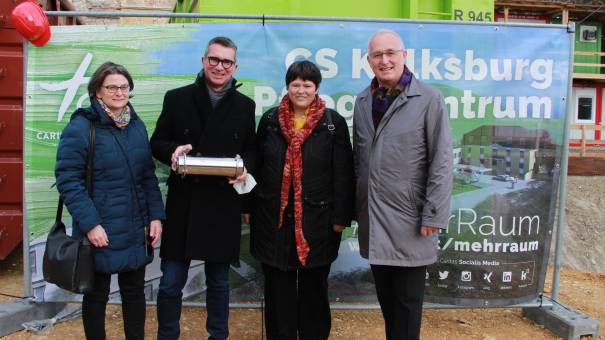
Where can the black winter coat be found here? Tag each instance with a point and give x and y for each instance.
(327, 186)
(203, 213)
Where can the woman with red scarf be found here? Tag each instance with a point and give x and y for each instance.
(303, 202)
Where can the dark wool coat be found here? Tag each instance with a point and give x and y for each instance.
(123, 207)
(203, 212)
(327, 190)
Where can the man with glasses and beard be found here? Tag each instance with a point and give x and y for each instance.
(403, 165)
(208, 118)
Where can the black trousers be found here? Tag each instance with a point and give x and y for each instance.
(133, 305)
(400, 292)
(296, 302)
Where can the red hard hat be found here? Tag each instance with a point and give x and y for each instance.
(31, 22)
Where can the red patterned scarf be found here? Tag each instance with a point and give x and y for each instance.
(293, 166)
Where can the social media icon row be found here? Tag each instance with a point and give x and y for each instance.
(489, 277)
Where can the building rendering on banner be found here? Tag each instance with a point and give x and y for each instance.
(507, 150)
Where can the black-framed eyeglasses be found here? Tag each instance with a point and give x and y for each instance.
(213, 61)
(113, 88)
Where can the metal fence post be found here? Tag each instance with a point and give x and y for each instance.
(563, 172)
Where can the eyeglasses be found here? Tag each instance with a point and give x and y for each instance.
(213, 61)
(113, 88)
(388, 53)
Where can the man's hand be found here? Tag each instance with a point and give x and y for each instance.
(428, 231)
(338, 228)
(98, 237)
(180, 150)
(240, 178)
(246, 218)
(155, 231)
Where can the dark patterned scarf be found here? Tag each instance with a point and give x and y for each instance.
(292, 175)
(383, 97)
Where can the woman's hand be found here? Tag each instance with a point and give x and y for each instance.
(98, 237)
(180, 150)
(338, 228)
(240, 178)
(155, 231)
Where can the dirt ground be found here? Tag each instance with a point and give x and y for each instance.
(584, 241)
(582, 287)
(583, 291)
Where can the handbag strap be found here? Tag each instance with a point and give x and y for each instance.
(89, 166)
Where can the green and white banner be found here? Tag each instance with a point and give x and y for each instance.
(505, 88)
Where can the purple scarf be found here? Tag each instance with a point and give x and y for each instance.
(383, 97)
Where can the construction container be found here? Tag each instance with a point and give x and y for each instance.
(466, 10)
(11, 131)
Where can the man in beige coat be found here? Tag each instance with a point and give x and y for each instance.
(403, 164)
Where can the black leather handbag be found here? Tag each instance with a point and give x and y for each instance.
(68, 262)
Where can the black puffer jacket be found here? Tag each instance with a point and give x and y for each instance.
(327, 186)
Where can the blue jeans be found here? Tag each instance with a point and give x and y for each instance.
(170, 297)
